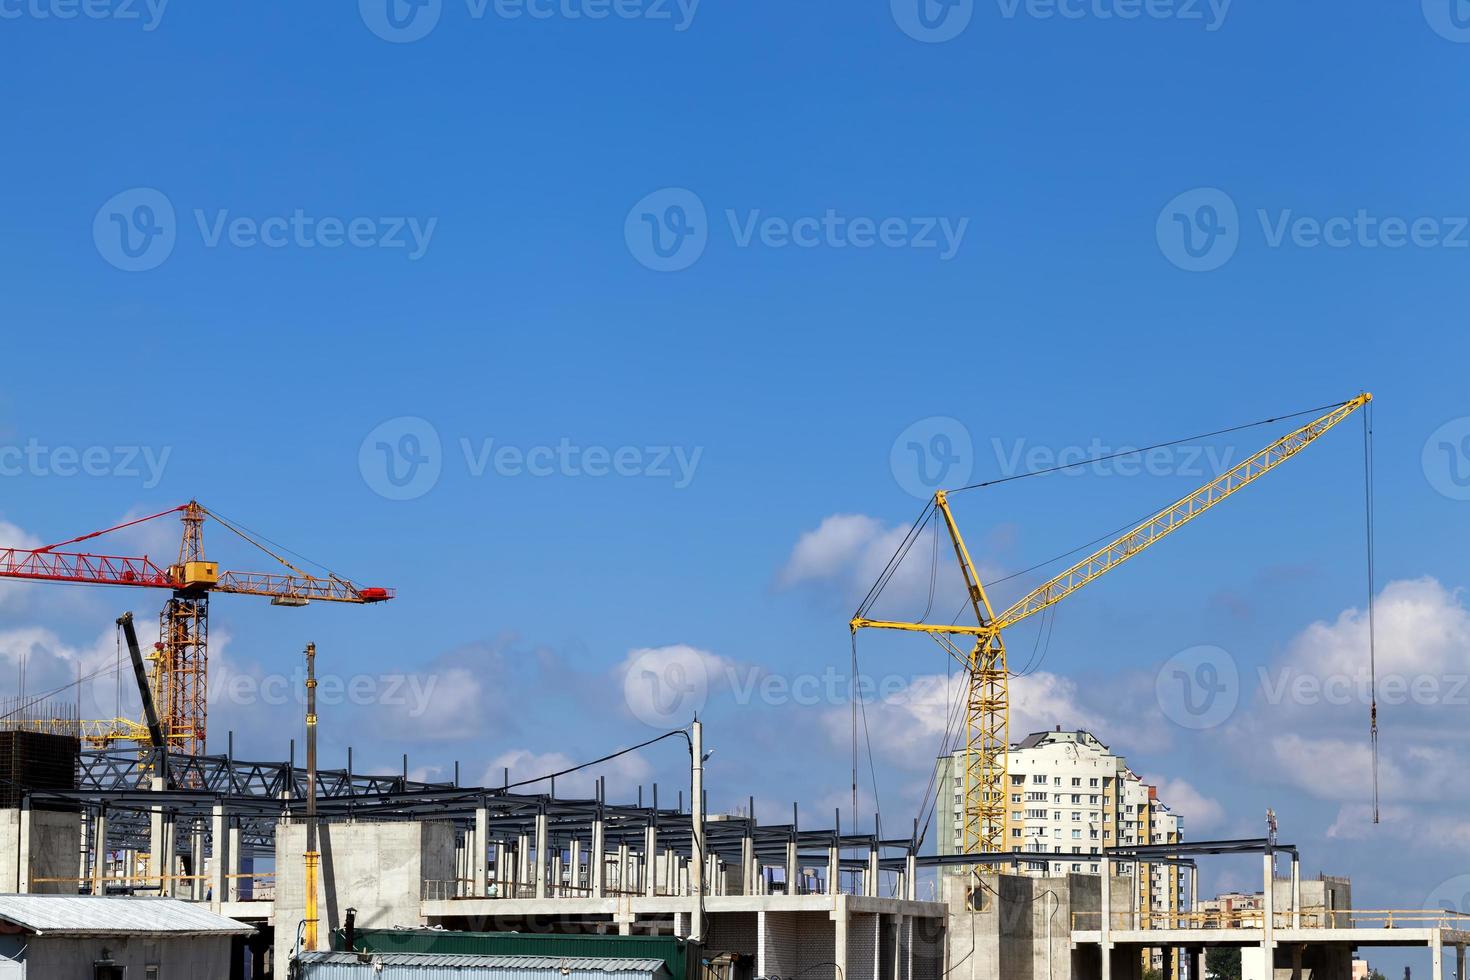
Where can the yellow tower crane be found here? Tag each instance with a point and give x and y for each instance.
(987, 708)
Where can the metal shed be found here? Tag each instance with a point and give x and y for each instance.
(43, 936)
(452, 966)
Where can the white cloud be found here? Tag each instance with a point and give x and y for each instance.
(624, 771)
(1308, 724)
(665, 687)
(1200, 812)
(906, 726)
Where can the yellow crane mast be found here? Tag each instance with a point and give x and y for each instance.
(987, 708)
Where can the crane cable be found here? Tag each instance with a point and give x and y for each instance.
(1372, 598)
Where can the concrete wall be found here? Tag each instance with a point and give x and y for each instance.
(54, 845)
(377, 868)
(183, 957)
(1023, 927)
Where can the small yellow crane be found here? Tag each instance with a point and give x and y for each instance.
(987, 707)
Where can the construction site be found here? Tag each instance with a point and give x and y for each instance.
(144, 847)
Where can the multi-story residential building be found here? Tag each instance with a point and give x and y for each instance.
(1070, 796)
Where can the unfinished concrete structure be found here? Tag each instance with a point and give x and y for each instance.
(780, 899)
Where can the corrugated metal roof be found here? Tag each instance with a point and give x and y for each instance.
(433, 965)
(88, 915)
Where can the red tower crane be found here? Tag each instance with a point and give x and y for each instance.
(180, 672)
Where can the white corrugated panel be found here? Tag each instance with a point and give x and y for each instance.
(97, 915)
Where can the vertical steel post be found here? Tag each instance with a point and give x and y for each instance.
(313, 856)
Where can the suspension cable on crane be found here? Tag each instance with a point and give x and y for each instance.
(1372, 597)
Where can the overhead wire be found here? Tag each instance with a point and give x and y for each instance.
(1372, 595)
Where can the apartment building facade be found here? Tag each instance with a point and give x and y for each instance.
(1069, 797)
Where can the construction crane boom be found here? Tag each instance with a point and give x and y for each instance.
(180, 662)
(987, 715)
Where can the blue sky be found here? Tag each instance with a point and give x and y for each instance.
(992, 228)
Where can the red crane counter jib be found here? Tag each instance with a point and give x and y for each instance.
(180, 665)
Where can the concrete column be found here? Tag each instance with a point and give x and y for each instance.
(1460, 963)
(681, 925)
(748, 870)
(834, 868)
(650, 857)
(480, 859)
(219, 874)
(1296, 961)
(23, 871)
(1436, 956)
(1194, 891)
(911, 878)
(232, 886)
(575, 880)
(840, 923)
(156, 864)
(556, 874)
(1296, 891)
(793, 871)
(1105, 935)
(1268, 915)
(99, 864)
(871, 884)
(541, 855)
(198, 885)
(624, 860)
(599, 856)
(523, 861)
(762, 968)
